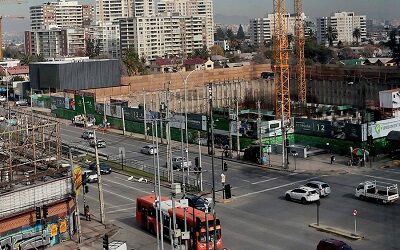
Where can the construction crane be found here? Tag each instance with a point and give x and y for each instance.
(281, 62)
(300, 67)
(1, 22)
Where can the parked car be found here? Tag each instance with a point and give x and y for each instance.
(87, 135)
(198, 202)
(21, 103)
(303, 194)
(90, 176)
(3, 99)
(322, 188)
(149, 150)
(104, 168)
(333, 244)
(100, 143)
(179, 162)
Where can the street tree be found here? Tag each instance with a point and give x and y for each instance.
(202, 53)
(92, 48)
(220, 35)
(331, 35)
(357, 35)
(216, 50)
(134, 65)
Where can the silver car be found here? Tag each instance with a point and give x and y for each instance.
(149, 150)
(322, 188)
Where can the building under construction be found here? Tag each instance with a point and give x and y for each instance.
(36, 202)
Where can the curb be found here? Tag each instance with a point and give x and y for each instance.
(336, 231)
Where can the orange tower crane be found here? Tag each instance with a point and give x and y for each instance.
(281, 63)
(301, 67)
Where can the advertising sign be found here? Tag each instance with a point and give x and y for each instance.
(77, 177)
(312, 127)
(63, 226)
(382, 128)
(195, 121)
(89, 104)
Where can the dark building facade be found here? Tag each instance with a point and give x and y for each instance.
(75, 75)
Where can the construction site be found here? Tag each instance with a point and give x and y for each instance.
(36, 204)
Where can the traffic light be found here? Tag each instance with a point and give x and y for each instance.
(105, 242)
(227, 190)
(86, 189)
(225, 168)
(196, 162)
(45, 211)
(287, 142)
(84, 179)
(38, 213)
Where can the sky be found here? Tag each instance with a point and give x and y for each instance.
(379, 9)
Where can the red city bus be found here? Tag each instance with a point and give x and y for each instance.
(195, 221)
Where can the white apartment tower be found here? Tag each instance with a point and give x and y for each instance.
(199, 8)
(162, 35)
(261, 29)
(143, 8)
(63, 14)
(110, 10)
(344, 23)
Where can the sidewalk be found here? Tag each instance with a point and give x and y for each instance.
(92, 233)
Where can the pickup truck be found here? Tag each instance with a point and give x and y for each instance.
(377, 191)
(179, 162)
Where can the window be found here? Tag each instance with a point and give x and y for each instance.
(360, 187)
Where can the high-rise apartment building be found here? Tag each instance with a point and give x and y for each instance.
(344, 24)
(261, 29)
(110, 10)
(143, 8)
(55, 42)
(58, 28)
(199, 8)
(162, 35)
(63, 14)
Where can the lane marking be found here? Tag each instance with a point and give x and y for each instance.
(123, 209)
(377, 177)
(123, 205)
(119, 195)
(390, 171)
(120, 184)
(271, 179)
(277, 187)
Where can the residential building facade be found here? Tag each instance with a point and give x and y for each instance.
(344, 24)
(261, 29)
(162, 35)
(110, 10)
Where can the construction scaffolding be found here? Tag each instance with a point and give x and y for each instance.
(30, 149)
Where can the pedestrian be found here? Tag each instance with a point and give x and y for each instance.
(87, 213)
(332, 159)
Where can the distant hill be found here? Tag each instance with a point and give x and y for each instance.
(234, 19)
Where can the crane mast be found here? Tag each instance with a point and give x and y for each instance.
(300, 67)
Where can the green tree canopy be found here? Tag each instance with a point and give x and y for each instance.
(220, 35)
(240, 33)
(331, 35)
(134, 65)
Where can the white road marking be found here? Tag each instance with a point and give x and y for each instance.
(277, 187)
(271, 179)
(382, 178)
(123, 209)
(247, 181)
(123, 205)
(119, 195)
(390, 171)
(137, 189)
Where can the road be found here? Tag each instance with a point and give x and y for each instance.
(258, 217)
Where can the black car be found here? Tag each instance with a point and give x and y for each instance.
(333, 244)
(104, 168)
(197, 202)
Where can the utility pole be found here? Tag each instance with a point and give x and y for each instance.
(237, 128)
(123, 121)
(156, 195)
(168, 136)
(212, 162)
(144, 115)
(77, 215)
(99, 183)
(201, 169)
(159, 193)
(284, 162)
(260, 131)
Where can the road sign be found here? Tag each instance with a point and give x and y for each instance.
(222, 178)
(77, 172)
(121, 151)
(354, 212)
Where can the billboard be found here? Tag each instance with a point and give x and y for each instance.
(89, 104)
(312, 127)
(382, 128)
(195, 121)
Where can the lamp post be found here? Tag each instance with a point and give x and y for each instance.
(294, 154)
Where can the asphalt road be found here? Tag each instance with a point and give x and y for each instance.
(258, 217)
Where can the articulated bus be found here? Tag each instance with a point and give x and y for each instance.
(195, 221)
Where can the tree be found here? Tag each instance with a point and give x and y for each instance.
(357, 34)
(92, 48)
(347, 53)
(202, 53)
(229, 34)
(340, 44)
(216, 50)
(134, 65)
(240, 33)
(27, 59)
(331, 35)
(368, 51)
(394, 45)
(220, 35)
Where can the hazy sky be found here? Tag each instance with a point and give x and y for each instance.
(388, 9)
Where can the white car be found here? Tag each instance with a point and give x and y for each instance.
(90, 175)
(3, 99)
(303, 194)
(149, 150)
(87, 135)
(322, 188)
(21, 103)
